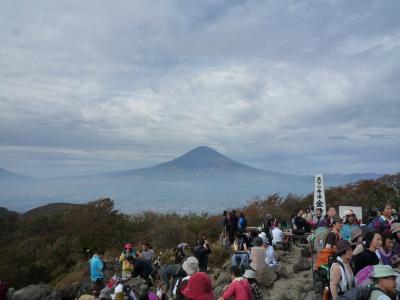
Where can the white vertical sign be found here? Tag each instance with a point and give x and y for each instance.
(319, 194)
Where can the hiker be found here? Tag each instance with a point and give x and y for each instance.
(233, 225)
(385, 283)
(180, 252)
(334, 235)
(385, 252)
(225, 223)
(257, 254)
(277, 235)
(143, 269)
(167, 273)
(318, 219)
(357, 240)
(395, 230)
(349, 222)
(146, 294)
(250, 275)
(201, 252)
(199, 287)
(242, 223)
(96, 272)
(269, 254)
(126, 259)
(396, 269)
(328, 219)
(341, 275)
(239, 288)
(190, 267)
(368, 257)
(147, 253)
(241, 255)
(383, 223)
(307, 215)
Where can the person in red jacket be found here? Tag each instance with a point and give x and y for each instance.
(239, 289)
(199, 287)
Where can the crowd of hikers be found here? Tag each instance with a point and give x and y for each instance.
(352, 259)
(187, 277)
(355, 260)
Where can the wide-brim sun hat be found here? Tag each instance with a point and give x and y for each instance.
(191, 265)
(356, 232)
(348, 212)
(382, 271)
(337, 219)
(342, 246)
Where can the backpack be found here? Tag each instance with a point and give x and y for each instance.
(363, 277)
(320, 237)
(371, 224)
(359, 293)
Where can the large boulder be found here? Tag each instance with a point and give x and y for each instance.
(282, 272)
(302, 265)
(34, 292)
(223, 279)
(266, 277)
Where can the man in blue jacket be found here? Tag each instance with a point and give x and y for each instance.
(96, 272)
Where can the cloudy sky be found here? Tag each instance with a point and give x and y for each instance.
(293, 86)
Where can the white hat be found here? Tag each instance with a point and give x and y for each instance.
(191, 265)
(250, 274)
(263, 236)
(348, 212)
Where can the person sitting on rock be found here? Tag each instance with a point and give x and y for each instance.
(240, 256)
(257, 254)
(270, 259)
(250, 275)
(341, 275)
(199, 287)
(239, 288)
(127, 266)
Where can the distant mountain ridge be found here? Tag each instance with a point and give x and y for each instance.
(200, 180)
(8, 175)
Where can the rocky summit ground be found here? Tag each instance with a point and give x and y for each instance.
(292, 280)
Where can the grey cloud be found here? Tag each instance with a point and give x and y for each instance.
(287, 85)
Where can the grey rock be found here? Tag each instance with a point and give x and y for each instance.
(302, 265)
(266, 277)
(33, 292)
